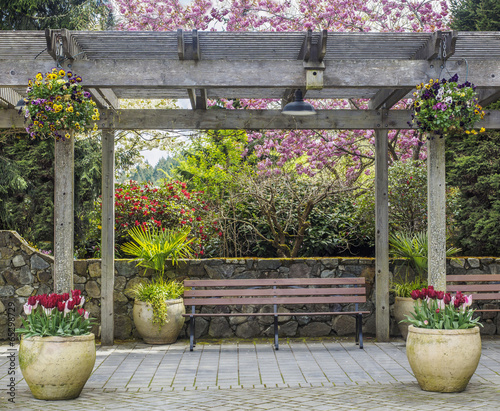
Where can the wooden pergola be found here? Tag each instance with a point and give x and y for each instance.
(381, 67)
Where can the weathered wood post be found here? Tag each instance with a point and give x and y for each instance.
(436, 211)
(382, 316)
(108, 237)
(64, 182)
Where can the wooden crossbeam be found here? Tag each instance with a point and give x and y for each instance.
(220, 119)
(253, 74)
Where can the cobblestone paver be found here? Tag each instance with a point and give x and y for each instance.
(323, 375)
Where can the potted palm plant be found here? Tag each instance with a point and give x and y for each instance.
(158, 306)
(413, 249)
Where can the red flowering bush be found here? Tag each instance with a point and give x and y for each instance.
(170, 206)
(55, 315)
(440, 310)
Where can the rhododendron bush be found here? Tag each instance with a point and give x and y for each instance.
(169, 205)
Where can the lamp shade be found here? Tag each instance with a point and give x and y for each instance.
(298, 107)
(21, 103)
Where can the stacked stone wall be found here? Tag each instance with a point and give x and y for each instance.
(24, 272)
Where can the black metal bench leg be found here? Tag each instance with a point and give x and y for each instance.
(357, 329)
(276, 342)
(191, 334)
(360, 319)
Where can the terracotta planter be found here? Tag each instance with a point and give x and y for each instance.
(443, 360)
(402, 307)
(152, 333)
(57, 368)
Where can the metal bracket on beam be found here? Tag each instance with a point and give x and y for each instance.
(433, 48)
(447, 44)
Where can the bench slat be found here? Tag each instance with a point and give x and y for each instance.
(272, 292)
(473, 287)
(276, 281)
(275, 300)
(296, 314)
(473, 278)
(485, 296)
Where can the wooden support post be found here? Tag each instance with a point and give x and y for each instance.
(63, 214)
(436, 212)
(382, 316)
(108, 237)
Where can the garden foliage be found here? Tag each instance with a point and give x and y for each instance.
(167, 206)
(473, 165)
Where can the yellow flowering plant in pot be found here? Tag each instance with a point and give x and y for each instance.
(446, 107)
(57, 104)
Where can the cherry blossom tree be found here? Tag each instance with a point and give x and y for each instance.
(315, 149)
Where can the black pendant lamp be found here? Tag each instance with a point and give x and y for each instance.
(298, 107)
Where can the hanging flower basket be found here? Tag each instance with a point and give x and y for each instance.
(57, 105)
(446, 107)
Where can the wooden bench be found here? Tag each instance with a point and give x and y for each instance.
(290, 293)
(482, 287)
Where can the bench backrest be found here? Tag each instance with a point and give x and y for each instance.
(275, 291)
(480, 286)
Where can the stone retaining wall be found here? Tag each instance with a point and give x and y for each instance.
(25, 272)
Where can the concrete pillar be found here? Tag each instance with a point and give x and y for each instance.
(382, 316)
(63, 214)
(436, 211)
(108, 237)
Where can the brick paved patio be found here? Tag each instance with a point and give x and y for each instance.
(325, 375)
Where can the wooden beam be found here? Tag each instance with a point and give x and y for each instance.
(105, 98)
(249, 119)
(180, 44)
(213, 119)
(198, 98)
(52, 44)
(429, 50)
(70, 48)
(382, 315)
(436, 212)
(488, 96)
(9, 98)
(63, 214)
(108, 237)
(110, 98)
(362, 74)
(386, 98)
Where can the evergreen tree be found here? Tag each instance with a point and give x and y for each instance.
(473, 165)
(42, 14)
(473, 161)
(475, 15)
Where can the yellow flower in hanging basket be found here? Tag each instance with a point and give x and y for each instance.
(446, 107)
(58, 99)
